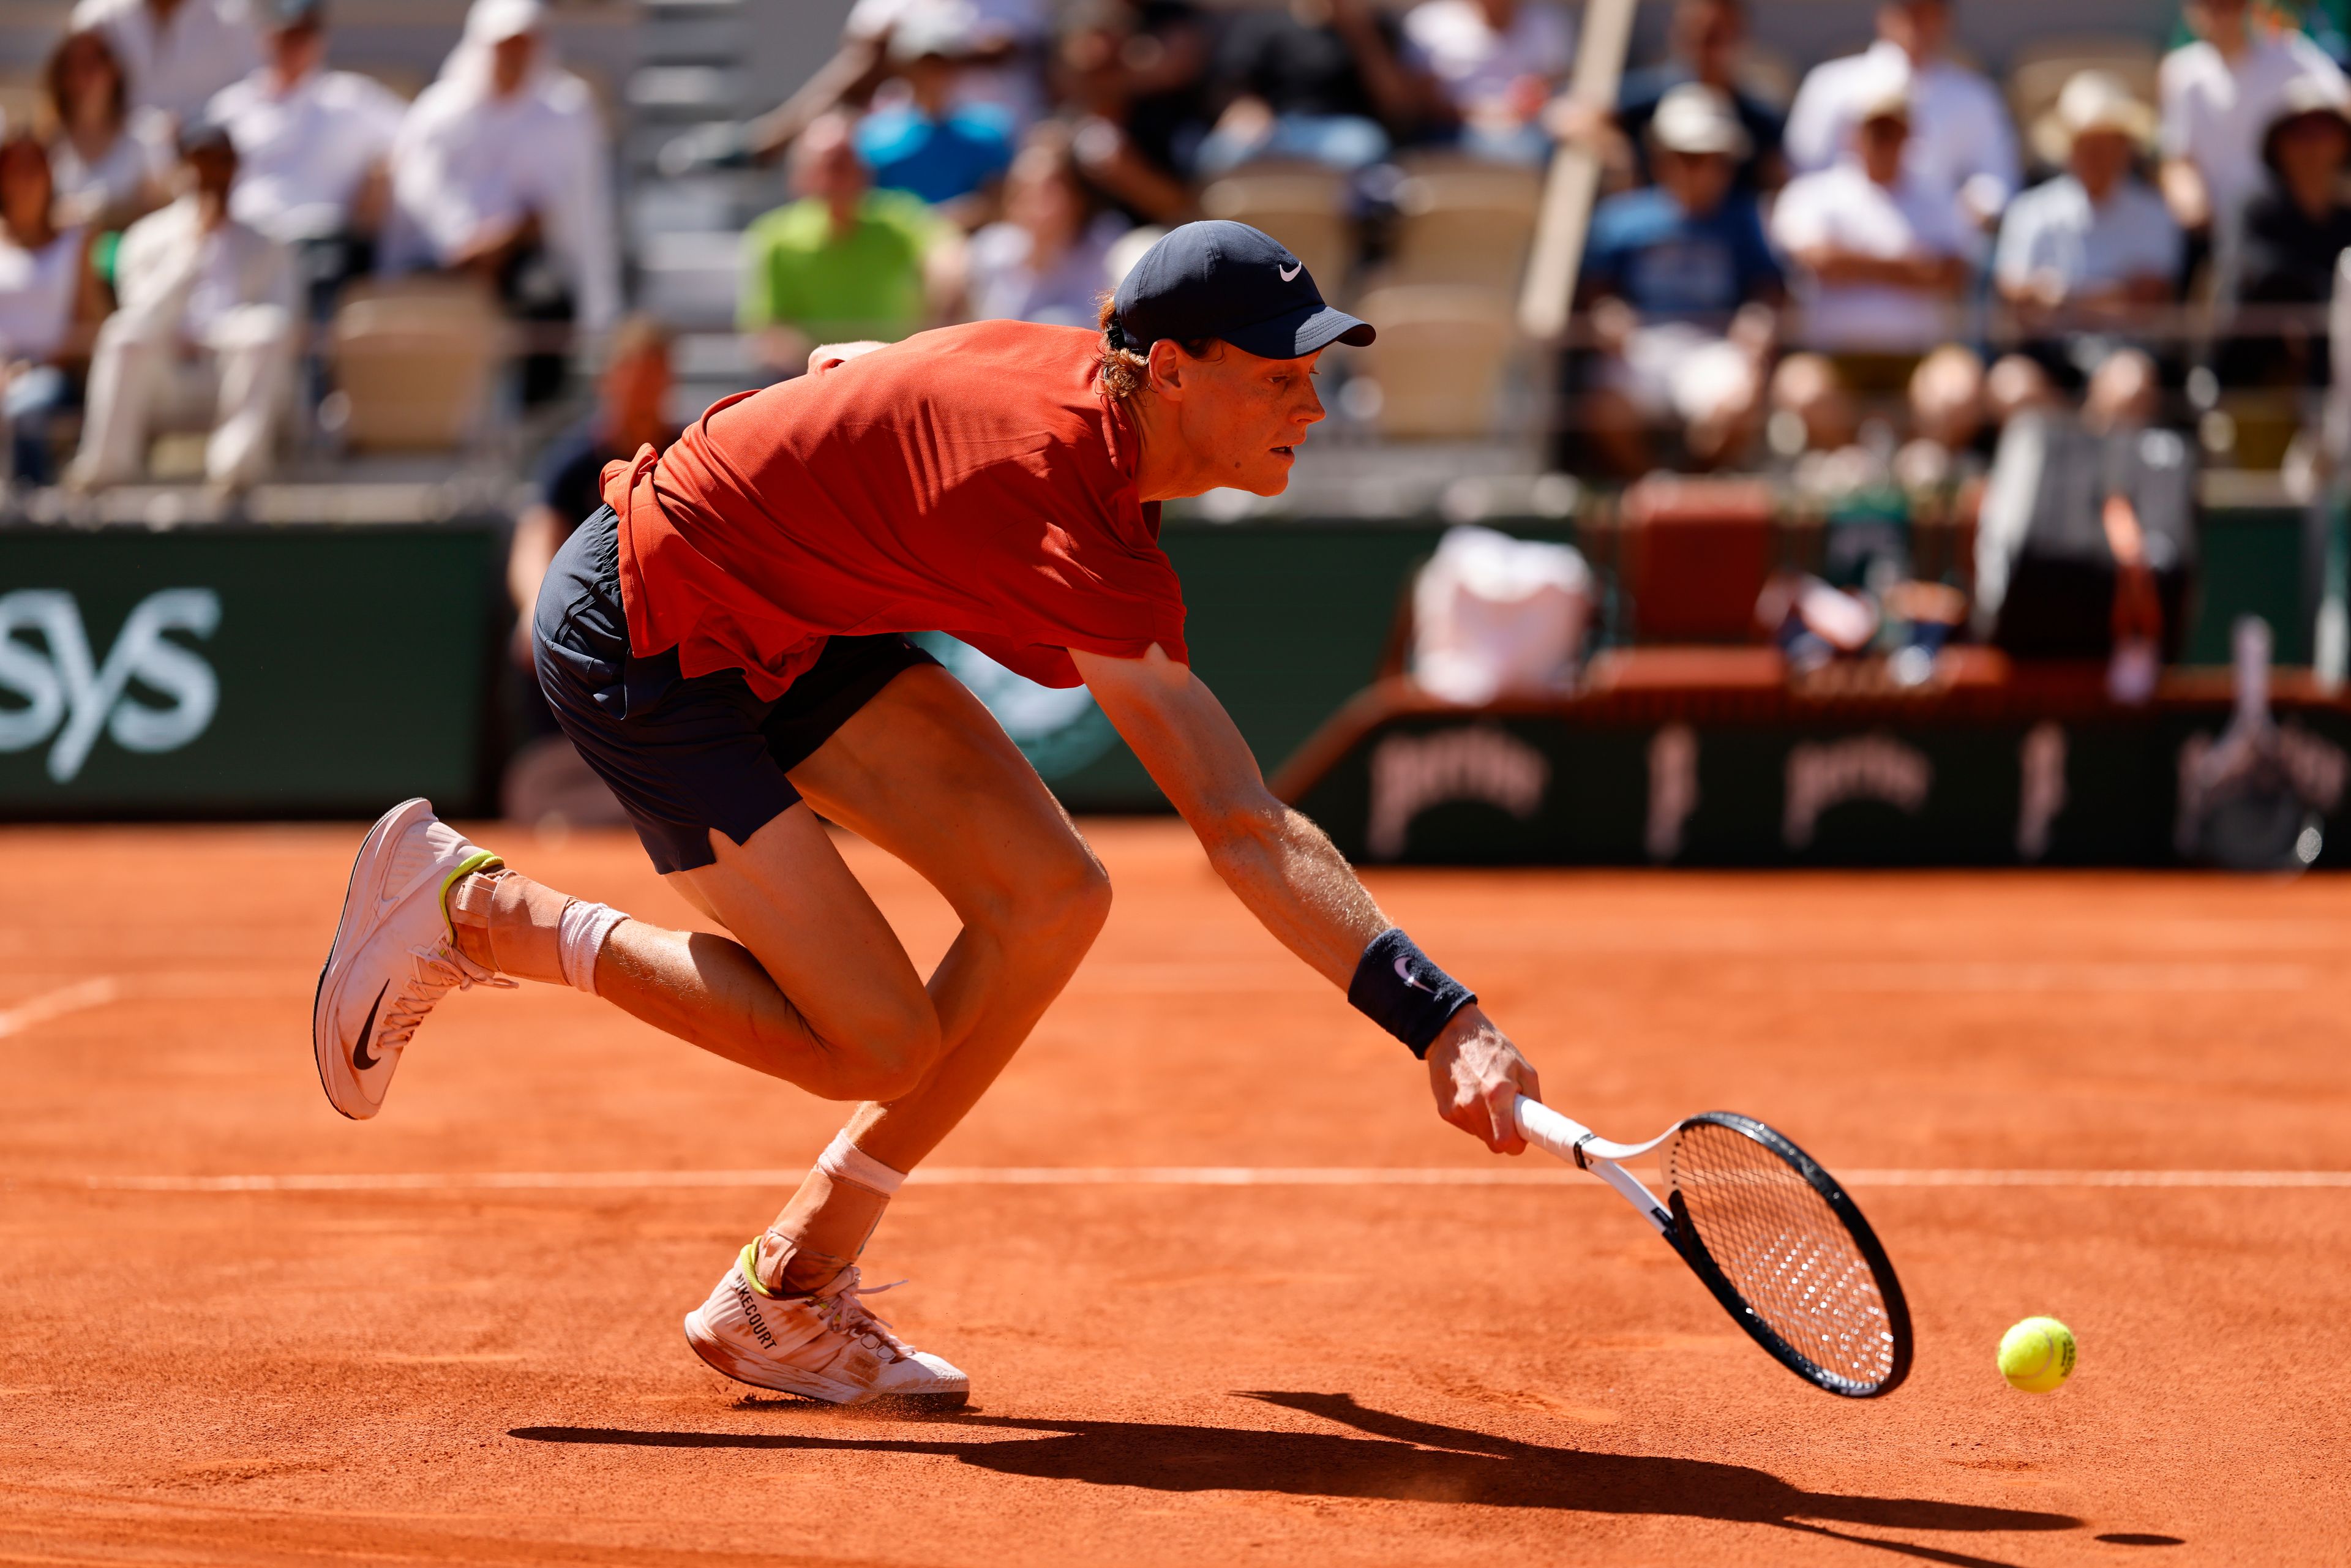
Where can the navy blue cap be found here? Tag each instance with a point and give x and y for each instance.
(1229, 281)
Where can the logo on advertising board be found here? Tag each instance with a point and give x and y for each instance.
(1481, 763)
(1866, 767)
(150, 694)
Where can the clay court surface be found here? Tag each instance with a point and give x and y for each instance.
(451, 1335)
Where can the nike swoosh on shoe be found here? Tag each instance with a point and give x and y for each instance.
(359, 1057)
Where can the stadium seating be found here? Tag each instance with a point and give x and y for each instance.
(1440, 359)
(1465, 222)
(413, 361)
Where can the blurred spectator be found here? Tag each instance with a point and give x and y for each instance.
(2295, 232)
(1321, 80)
(109, 161)
(1006, 61)
(1499, 63)
(928, 145)
(1810, 401)
(49, 302)
(1948, 416)
(1049, 259)
(1681, 284)
(2016, 385)
(1879, 257)
(206, 324)
(1005, 48)
(631, 411)
(2083, 257)
(1133, 74)
(1707, 37)
(1961, 146)
(500, 171)
(845, 261)
(311, 146)
(175, 53)
(2218, 94)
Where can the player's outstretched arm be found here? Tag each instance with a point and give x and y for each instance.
(1294, 880)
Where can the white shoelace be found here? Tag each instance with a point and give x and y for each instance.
(843, 1308)
(440, 970)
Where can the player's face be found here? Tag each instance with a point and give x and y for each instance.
(1247, 416)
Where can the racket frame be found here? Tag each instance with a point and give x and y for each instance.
(1578, 1145)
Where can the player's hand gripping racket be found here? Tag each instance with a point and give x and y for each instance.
(1774, 1236)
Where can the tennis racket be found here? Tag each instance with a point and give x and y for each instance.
(1770, 1232)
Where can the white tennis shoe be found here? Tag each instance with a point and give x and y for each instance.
(828, 1345)
(395, 953)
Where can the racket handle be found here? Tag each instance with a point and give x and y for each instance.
(1547, 1130)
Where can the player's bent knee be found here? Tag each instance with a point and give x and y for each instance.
(890, 1054)
(1061, 902)
(1083, 901)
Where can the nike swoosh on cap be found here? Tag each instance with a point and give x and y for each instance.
(359, 1057)
(1290, 274)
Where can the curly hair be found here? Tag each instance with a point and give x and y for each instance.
(1125, 372)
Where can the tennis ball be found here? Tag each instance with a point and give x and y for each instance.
(2037, 1354)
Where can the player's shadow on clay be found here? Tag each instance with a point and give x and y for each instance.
(1400, 1459)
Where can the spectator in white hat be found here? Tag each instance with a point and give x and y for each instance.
(1681, 286)
(1880, 258)
(500, 171)
(206, 331)
(2084, 257)
(1962, 143)
(2218, 95)
(177, 53)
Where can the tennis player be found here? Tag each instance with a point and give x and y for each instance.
(725, 644)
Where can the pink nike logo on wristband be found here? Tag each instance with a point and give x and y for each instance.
(1405, 975)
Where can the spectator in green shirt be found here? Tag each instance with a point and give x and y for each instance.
(845, 261)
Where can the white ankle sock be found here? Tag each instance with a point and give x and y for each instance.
(579, 935)
(845, 1161)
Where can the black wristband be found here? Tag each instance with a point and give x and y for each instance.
(1399, 989)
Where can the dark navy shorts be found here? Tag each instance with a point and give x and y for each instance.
(686, 754)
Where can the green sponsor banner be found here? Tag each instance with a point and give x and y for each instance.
(1470, 788)
(244, 671)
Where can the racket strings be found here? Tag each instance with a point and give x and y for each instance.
(1784, 1249)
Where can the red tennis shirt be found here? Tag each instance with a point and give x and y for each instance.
(972, 480)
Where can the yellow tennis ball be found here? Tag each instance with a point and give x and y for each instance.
(2037, 1354)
